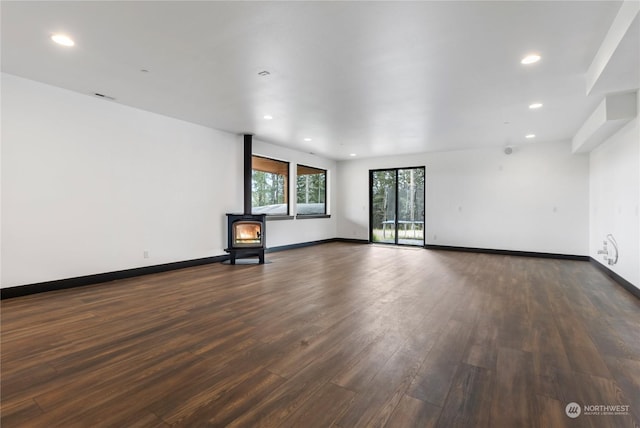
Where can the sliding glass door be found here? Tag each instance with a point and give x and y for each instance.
(396, 201)
(383, 186)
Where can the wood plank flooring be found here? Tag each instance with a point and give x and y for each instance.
(335, 335)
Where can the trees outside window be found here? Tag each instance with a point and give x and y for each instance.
(269, 186)
(397, 202)
(311, 190)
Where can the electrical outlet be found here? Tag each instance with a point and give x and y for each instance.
(145, 254)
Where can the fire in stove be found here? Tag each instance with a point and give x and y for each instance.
(247, 234)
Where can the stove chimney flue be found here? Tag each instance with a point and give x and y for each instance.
(248, 152)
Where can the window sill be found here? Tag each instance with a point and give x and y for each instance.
(279, 217)
(305, 216)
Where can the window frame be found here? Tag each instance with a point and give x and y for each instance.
(286, 166)
(324, 214)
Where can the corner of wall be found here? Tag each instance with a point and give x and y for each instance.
(614, 199)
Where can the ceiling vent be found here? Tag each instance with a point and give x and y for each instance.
(106, 97)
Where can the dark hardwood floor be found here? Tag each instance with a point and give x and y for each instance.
(338, 335)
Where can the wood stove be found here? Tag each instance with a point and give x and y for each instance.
(246, 233)
(246, 236)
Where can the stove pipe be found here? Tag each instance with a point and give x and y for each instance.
(247, 172)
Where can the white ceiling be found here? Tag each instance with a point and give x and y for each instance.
(372, 78)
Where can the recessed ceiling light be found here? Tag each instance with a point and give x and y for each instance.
(530, 59)
(535, 106)
(307, 139)
(352, 154)
(530, 136)
(63, 40)
(268, 117)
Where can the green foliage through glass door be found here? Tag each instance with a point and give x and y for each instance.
(397, 206)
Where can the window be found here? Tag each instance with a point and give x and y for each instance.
(269, 186)
(311, 188)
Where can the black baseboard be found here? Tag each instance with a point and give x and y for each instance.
(299, 245)
(508, 252)
(23, 290)
(80, 281)
(617, 278)
(352, 240)
(319, 242)
(61, 284)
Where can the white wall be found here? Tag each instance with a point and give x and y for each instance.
(88, 185)
(535, 199)
(287, 232)
(614, 199)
